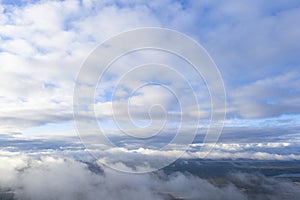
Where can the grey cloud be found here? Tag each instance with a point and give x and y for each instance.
(56, 178)
(38, 48)
(252, 47)
(267, 97)
(269, 188)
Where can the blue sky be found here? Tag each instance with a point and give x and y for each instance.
(44, 45)
(254, 44)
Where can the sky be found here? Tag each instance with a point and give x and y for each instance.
(45, 44)
(151, 105)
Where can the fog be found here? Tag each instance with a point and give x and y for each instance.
(47, 178)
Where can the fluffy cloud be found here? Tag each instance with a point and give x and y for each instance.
(39, 50)
(137, 156)
(44, 43)
(267, 97)
(57, 178)
(41, 55)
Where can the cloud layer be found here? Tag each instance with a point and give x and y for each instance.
(49, 177)
(252, 44)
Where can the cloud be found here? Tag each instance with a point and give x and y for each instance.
(269, 188)
(267, 97)
(252, 44)
(37, 50)
(49, 177)
(145, 156)
(44, 43)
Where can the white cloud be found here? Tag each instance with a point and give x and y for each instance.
(48, 177)
(267, 97)
(39, 49)
(44, 43)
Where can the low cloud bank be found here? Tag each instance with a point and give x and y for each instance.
(48, 178)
